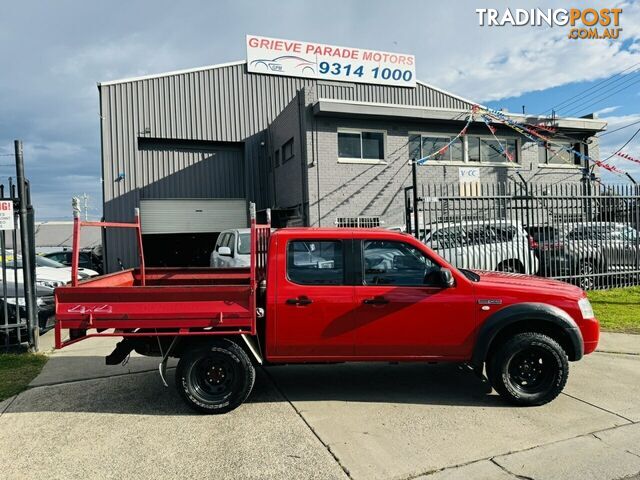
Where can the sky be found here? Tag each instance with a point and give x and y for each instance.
(54, 53)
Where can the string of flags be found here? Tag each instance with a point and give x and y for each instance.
(532, 132)
(626, 156)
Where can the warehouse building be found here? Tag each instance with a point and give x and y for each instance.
(190, 148)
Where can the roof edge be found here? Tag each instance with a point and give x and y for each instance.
(169, 74)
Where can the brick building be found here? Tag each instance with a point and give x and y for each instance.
(191, 148)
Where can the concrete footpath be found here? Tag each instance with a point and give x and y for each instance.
(82, 419)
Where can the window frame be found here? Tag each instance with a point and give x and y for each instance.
(543, 154)
(345, 244)
(466, 148)
(285, 145)
(364, 161)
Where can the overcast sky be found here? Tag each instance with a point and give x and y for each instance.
(53, 53)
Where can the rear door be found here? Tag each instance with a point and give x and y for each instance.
(403, 312)
(314, 299)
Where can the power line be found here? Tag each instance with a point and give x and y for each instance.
(625, 144)
(594, 102)
(591, 88)
(621, 128)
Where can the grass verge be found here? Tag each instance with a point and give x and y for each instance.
(17, 370)
(618, 310)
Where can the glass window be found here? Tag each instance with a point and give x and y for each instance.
(244, 243)
(430, 145)
(395, 263)
(361, 145)
(287, 151)
(349, 145)
(312, 262)
(505, 234)
(277, 158)
(490, 150)
(474, 148)
(512, 148)
(480, 235)
(557, 155)
(457, 151)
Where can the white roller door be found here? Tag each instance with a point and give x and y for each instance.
(192, 215)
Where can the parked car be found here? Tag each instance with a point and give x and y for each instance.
(15, 302)
(371, 295)
(232, 249)
(49, 274)
(88, 259)
(616, 243)
(500, 245)
(572, 261)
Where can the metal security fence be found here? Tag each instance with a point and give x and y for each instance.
(22, 305)
(586, 234)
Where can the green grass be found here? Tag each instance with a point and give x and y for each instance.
(17, 370)
(618, 310)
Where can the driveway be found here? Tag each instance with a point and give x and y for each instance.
(81, 419)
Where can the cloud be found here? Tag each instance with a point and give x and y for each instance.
(52, 62)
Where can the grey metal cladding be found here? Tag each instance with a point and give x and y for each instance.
(220, 103)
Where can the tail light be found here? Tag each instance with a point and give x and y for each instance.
(532, 243)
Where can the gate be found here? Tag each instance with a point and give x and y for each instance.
(19, 300)
(586, 234)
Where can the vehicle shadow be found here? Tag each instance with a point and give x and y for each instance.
(141, 392)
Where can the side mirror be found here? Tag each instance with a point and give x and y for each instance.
(446, 278)
(224, 251)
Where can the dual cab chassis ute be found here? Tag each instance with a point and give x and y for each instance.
(327, 295)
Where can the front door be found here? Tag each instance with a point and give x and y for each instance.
(404, 311)
(314, 301)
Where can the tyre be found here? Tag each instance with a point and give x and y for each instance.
(511, 266)
(528, 369)
(586, 279)
(215, 378)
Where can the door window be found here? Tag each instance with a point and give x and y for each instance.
(450, 237)
(396, 263)
(313, 262)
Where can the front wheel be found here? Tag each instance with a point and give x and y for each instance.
(215, 378)
(529, 369)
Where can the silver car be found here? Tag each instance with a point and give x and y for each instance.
(232, 249)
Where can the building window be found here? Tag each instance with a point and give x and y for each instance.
(489, 150)
(358, 222)
(423, 145)
(277, 158)
(287, 151)
(557, 154)
(361, 147)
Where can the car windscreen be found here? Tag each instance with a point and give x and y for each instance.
(47, 262)
(244, 243)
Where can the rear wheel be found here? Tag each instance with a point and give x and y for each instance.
(529, 369)
(215, 378)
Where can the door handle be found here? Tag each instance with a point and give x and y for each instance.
(302, 300)
(375, 301)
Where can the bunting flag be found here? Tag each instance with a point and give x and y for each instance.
(626, 156)
(489, 115)
(444, 149)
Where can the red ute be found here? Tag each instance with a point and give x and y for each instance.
(333, 295)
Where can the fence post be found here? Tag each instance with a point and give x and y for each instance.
(27, 259)
(414, 181)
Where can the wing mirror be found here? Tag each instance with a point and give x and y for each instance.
(446, 278)
(224, 251)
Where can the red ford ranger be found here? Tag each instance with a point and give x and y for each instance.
(332, 295)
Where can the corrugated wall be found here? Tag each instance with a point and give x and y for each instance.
(224, 104)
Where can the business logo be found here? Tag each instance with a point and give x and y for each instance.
(285, 63)
(583, 23)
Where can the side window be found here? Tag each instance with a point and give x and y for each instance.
(395, 263)
(505, 234)
(315, 262)
(480, 235)
(221, 239)
(231, 243)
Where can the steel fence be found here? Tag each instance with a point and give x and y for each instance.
(22, 306)
(586, 234)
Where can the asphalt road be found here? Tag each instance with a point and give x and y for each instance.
(360, 421)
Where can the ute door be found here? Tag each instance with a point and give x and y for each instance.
(314, 300)
(403, 310)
